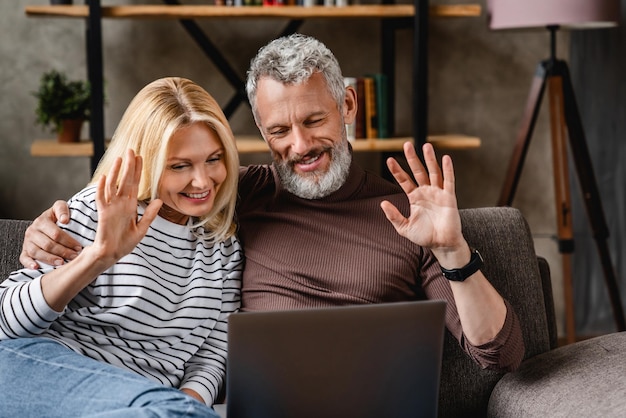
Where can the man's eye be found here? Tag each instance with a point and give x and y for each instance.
(313, 122)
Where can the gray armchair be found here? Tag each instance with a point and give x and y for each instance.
(503, 238)
(585, 379)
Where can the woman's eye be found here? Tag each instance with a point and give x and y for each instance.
(215, 158)
(178, 166)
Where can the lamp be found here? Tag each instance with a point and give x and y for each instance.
(565, 123)
(574, 14)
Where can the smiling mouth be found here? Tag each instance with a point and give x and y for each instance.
(309, 163)
(196, 195)
(310, 157)
(308, 160)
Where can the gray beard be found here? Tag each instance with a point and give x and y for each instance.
(317, 185)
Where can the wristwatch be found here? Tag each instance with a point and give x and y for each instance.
(459, 275)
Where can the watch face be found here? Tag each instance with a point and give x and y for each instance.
(451, 275)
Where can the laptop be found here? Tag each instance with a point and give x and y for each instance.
(357, 361)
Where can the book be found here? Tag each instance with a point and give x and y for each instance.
(359, 123)
(371, 123)
(382, 98)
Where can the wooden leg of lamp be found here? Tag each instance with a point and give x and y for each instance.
(590, 193)
(565, 233)
(522, 141)
(565, 125)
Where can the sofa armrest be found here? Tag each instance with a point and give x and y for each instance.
(11, 239)
(503, 237)
(548, 297)
(584, 379)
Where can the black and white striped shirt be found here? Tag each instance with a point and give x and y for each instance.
(161, 311)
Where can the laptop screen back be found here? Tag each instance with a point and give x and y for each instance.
(359, 361)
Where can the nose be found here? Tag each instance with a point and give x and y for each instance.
(300, 141)
(201, 178)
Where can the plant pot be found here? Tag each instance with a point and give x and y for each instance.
(70, 130)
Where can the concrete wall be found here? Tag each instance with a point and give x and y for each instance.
(479, 81)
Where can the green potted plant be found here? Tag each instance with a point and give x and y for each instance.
(63, 105)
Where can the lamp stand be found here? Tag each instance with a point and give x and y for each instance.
(564, 122)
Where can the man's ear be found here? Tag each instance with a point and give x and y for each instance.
(350, 106)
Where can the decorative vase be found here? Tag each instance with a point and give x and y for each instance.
(70, 130)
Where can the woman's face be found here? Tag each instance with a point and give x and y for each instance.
(193, 174)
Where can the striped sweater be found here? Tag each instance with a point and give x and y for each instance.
(161, 311)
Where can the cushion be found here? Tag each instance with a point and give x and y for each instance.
(584, 379)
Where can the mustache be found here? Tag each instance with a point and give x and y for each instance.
(296, 158)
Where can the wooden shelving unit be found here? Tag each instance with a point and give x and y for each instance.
(383, 11)
(251, 144)
(398, 15)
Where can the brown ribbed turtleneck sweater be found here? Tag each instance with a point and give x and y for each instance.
(342, 250)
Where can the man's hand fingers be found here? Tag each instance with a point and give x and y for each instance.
(417, 168)
(38, 246)
(393, 215)
(28, 262)
(59, 212)
(405, 181)
(434, 171)
(448, 174)
(45, 241)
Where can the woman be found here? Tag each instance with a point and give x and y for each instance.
(142, 311)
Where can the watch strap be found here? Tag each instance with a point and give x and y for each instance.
(460, 274)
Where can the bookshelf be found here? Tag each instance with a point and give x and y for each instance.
(291, 12)
(251, 144)
(392, 17)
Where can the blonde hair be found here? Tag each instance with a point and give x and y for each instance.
(159, 110)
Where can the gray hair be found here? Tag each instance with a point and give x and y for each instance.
(294, 59)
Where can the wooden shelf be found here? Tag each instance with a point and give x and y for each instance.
(415, 13)
(286, 12)
(252, 144)
(454, 142)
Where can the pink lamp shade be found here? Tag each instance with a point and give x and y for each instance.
(514, 14)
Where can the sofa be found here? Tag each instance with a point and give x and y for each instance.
(583, 379)
(11, 238)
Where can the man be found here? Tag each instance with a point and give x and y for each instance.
(318, 230)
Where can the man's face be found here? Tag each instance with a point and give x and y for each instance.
(306, 135)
